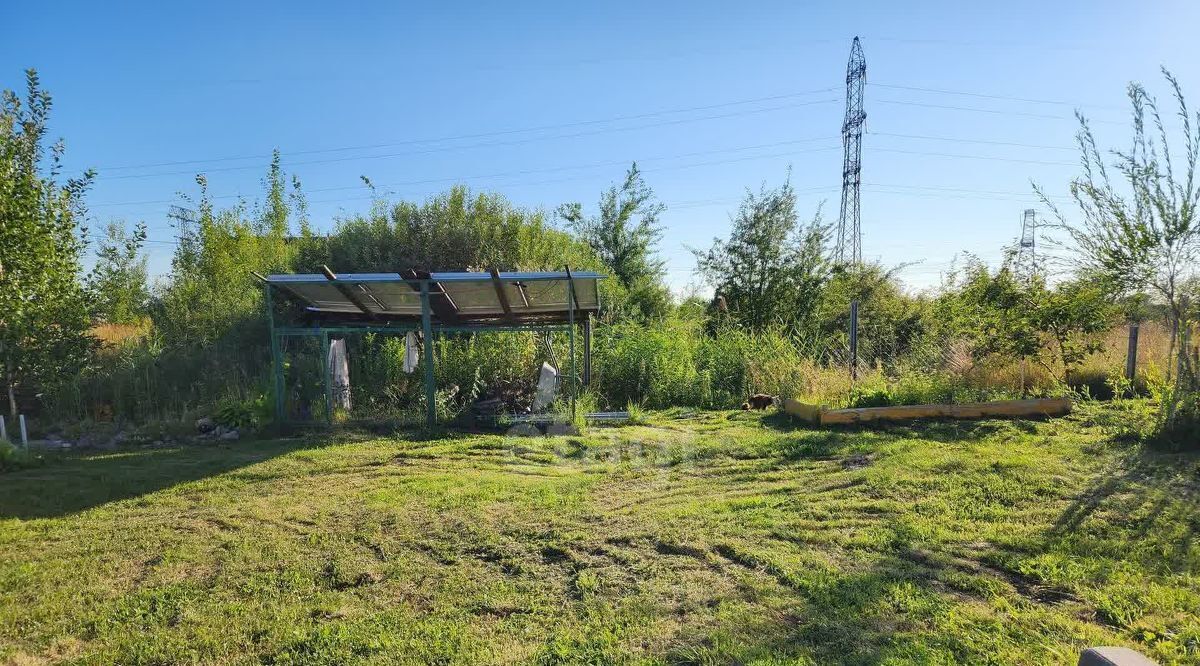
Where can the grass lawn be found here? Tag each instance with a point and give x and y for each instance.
(711, 537)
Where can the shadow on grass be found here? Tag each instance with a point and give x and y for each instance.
(1157, 496)
(76, 482)
(889, 609)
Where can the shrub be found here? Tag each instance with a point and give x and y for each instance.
(1181, 433)
(244, 414)
(871, 398)
(13, 457)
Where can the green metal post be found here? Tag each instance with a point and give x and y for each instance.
(276, 356)
(427, 330)
(571, 342)
(325, 372)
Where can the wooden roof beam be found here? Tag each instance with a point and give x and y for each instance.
(501, 295)
(346, 291)
(440, 303)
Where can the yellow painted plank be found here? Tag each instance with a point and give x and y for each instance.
(975, 410)
(804, 411)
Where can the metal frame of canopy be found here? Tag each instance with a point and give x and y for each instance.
(383, 303)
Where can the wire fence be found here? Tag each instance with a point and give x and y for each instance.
(1134, 355)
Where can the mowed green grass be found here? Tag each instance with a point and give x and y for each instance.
(712, 537)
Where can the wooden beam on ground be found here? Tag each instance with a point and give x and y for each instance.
(976, 410)
(805, 412)
(501, 294)
(346, 291)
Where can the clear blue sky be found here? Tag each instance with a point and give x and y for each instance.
(710, 98)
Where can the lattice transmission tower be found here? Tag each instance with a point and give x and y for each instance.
(849, 229)
(1026, 264)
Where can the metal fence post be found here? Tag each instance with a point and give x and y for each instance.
(427, 330)
(24, 433)
(276, 356)
(326, 374)
(854, 340)
(587, 350)
(3, 430)
(571, 339)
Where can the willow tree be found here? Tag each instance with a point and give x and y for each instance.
(43, 312)
(1137, 227)
(625, 236)
(772, 268)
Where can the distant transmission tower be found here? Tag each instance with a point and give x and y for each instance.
(182, 216)
(1027, 265)
(849, 229)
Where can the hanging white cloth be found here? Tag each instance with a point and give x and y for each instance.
(547, 386)
(411, 352)
(339, 373)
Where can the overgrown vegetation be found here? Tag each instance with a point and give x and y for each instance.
(195, 343)
(711, 537)
(43, 312)
(1143, 234)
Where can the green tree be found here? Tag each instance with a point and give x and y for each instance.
(891, 323)
(117, 284)
(1073, 315)
(1137, 229)
(1002, 314)
(455, 230)
(211, 288)
(43, 312)
(625, 235)
(772, 269)
(993, 312)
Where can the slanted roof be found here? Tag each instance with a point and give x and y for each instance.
(456, 298)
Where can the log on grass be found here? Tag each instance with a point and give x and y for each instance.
(976, 410)
(803, 411)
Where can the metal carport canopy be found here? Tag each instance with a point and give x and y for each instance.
(456, 298)
(434, 302)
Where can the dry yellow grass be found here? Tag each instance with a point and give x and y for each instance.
(113, 334)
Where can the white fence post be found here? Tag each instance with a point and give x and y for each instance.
(24, 434)
(3, 430)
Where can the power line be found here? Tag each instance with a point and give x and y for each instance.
(957, 189)
(955, 139)
(963, 93)
(973, 157)
(531, 171)
(479, 135)
(677, 205)
(940, 196)
(1044, 116)
(989, 44)
(494, 143)
(602, 131)
(775, 144)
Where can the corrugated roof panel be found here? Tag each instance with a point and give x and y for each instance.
(473, 294)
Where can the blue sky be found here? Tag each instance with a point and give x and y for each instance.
(548, 102)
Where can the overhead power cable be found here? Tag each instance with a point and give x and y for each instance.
(956, 139)
(531, 171)
(963, 93)
(494, 143)
(956, 189)
(677, 205)
(480, 135)
(999, 112)
(972, 157)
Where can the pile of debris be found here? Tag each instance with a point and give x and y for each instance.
(210, 429)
